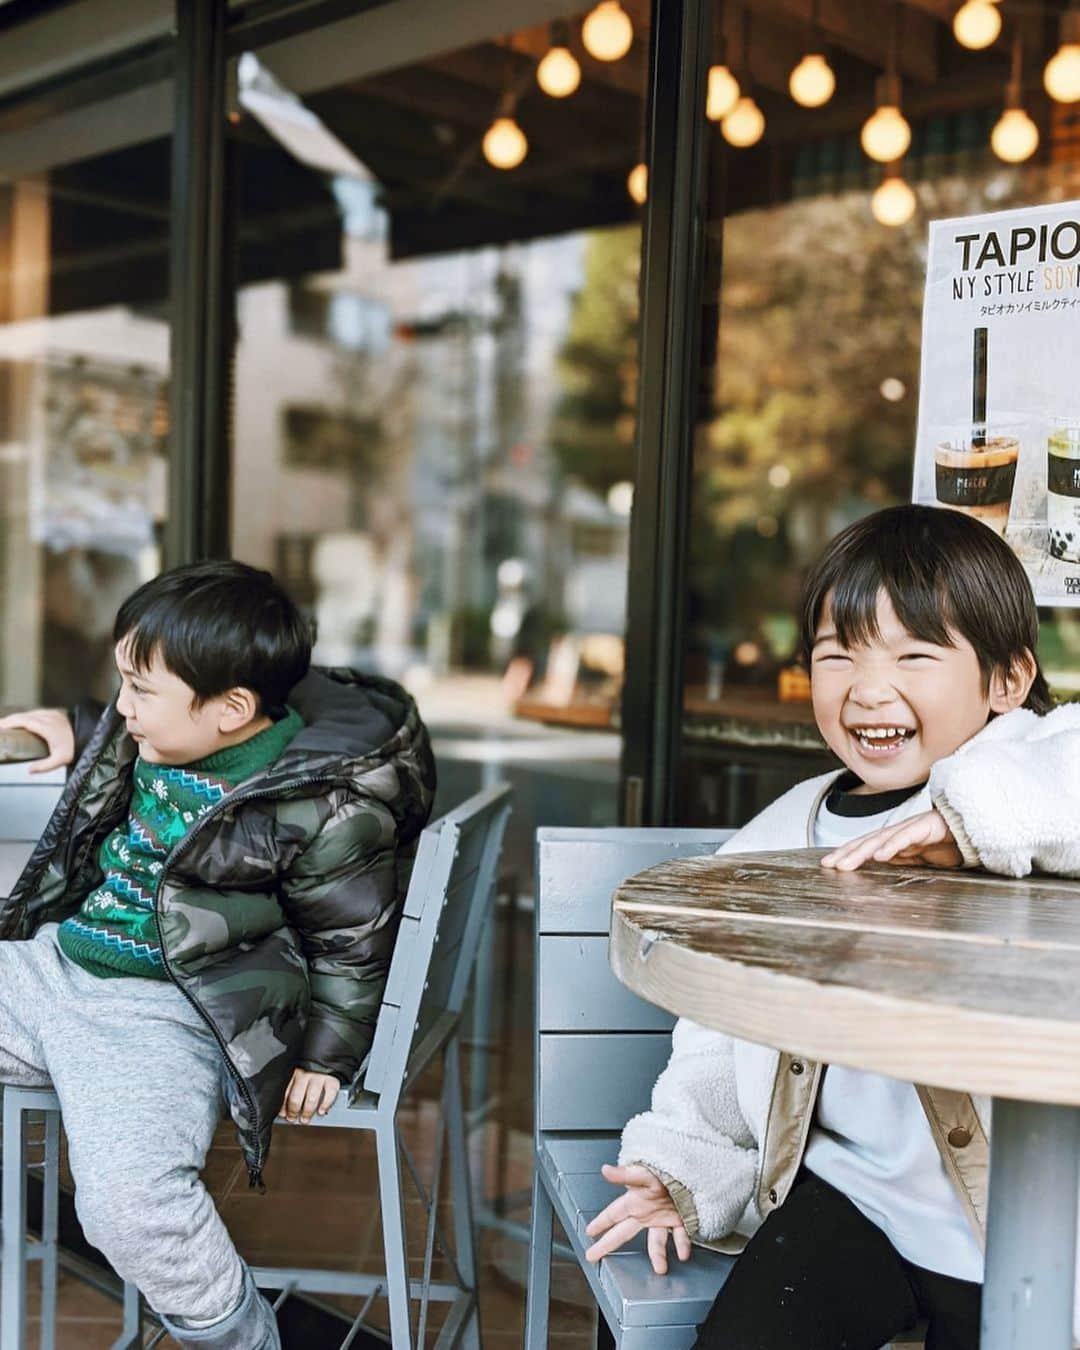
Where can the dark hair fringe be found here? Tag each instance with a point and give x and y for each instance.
(217, 626)
(945, 574)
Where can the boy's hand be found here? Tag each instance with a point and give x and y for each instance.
(54, 728)
(307, 1093)
(645, 1204)
(924, 840)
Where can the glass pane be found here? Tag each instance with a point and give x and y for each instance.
(84, 369)
(434, 431)
(435, 386)
(810, 362)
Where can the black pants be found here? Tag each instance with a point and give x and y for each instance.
(817, 1275)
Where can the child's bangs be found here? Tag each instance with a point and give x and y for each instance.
(917, 593)
(140, 646)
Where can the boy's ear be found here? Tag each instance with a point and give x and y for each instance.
(1009, 688)
(239, 708)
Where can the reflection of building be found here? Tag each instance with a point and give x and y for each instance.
(83, 492)
(405, 406)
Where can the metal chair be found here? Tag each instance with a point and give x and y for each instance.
(599, 1050)
(447, 903)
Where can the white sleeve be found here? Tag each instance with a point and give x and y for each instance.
(1012, 794)
(694, 1136)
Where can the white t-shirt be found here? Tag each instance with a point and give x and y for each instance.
(871, 1139)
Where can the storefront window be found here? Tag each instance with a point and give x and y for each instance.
(810, 377)
(434, 442)
(84, 369)
(435, 386)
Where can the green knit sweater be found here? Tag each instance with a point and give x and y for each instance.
(115, 930)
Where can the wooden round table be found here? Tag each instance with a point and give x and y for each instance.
(958, 980)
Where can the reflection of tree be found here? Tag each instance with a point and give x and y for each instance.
(592, 435)
(820, 306)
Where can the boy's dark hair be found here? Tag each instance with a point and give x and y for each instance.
(218, 625)
(944, 572)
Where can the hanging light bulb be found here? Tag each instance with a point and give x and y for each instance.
(1062, 74)
(1015, 136)
(812, 82)
(504, 144)
(607, 31)
(723, 93)
(976, 24)
(637, 183)
(893, 202)
(886, 134)
(745, 124)
(558, 74)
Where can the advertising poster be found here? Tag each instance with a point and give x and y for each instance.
(999, 400)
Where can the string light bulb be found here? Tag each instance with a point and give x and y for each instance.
(607, 31)
(723, 93)
(812, 82)
(1015, 136)
(1062, 74)
(976, 24)
(886, 134)
(893, 202)
(505, 144)
(745, 124)
(637, 183)
(558, 74)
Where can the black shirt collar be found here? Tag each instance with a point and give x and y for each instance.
(843, 801)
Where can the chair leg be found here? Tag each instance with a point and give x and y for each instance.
(13, 1228)
(392, 1200)
(461, 1188)
(50, 1229)
(538, 1291)
(131, 1337)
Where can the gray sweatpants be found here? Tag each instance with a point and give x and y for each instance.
(138, 1074)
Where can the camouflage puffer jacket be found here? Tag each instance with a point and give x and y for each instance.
(278, 911)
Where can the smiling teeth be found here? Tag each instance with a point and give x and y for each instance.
(880, 733)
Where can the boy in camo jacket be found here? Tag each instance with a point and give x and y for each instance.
(207, 920)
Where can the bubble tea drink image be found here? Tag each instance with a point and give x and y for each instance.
(975, 466)
(1063, 493)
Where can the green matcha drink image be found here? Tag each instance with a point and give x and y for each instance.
(1063, 493)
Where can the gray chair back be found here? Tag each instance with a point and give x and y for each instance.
(446, 906)
(26, 802)
(599, 1047)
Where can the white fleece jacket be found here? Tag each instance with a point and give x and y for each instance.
(1012, 798)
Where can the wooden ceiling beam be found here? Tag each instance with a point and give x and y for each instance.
(862, 29)
(629, 75)
(845, 114)
(550, 123)
(937, 9)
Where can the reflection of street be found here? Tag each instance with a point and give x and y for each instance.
(560, 777)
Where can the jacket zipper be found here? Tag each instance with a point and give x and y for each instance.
(255, 1180)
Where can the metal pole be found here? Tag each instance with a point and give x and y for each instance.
(198, 444)
(1031, 1238)
(672, 262)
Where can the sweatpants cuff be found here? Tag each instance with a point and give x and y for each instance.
(250, 1326)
